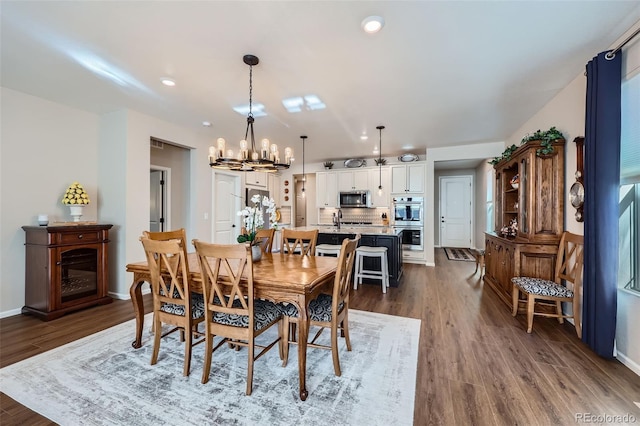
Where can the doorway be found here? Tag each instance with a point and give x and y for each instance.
(456, 211)
(226, 200)
(159, 190)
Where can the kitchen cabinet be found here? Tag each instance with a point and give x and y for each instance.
(375, 176)
(257, 179)
(274, 188)
(353, 180)
(326, 189)
(333, 238)
(536, 203)
(393, 244)
(408, 178)
(65, 269)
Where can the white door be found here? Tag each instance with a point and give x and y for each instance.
(455, 211)
(226, 204)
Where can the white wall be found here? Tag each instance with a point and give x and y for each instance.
(45, 146)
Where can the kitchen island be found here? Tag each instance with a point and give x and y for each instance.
(372, 236)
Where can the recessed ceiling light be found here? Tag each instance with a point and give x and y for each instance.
(168, 82)
(372, 24)
(206, 123)
(364, 137)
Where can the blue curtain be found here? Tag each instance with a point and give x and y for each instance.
(602, 181)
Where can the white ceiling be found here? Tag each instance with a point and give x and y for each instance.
(438, 74)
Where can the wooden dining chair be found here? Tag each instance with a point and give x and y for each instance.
(231, 311)
(173, 302)
(266, 236)
(569, 263)
(299, 242)
(327, 310)
(178, 234)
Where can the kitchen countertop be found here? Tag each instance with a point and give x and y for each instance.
(350, 229)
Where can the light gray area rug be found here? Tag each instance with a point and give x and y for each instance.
(102, 380)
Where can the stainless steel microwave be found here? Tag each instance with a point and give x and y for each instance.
(357, 199)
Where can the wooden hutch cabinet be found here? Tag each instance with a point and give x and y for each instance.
(66, 269)
(538, 206)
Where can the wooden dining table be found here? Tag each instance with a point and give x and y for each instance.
(277, 277)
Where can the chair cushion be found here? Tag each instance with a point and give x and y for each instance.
(541, 287)
(319, 308)
(264, 313)
(197, 307)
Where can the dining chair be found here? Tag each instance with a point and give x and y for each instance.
(231, 311)
(569, 263)
(177, 234)
(327, 310)
(174, 303)
(266, 235)
(299, 242)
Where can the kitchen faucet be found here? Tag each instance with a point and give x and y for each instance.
(336, 218)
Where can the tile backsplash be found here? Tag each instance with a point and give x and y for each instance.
(374, 216)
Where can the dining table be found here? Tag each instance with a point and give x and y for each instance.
(277, 277)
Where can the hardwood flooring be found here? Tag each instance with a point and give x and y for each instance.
(477, 365)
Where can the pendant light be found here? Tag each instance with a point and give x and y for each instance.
(380, 160)
(304, 176)
(250, 158)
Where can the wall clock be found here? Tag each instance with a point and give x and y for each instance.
(576, 192)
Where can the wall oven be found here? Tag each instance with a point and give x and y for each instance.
(408, 220)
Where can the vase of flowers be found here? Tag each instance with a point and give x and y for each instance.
(76, 198)
(253, 220)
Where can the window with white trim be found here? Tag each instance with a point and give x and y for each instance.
(629, 219)
(489, 206)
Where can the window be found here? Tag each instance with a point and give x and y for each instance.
(629, 224)
(629, 219)
(490, 216)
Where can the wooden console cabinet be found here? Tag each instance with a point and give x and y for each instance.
(65, 269)
(538, 206)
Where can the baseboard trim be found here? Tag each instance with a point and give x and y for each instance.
(631, 364)
(127, 296)
(10, 313)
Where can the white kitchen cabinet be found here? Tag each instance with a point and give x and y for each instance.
(407, 179)
(256, 179)
(326, 189)
(353, 180)
(375, 176)
(274, 188)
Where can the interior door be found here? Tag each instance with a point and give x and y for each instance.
(157, 201)
(455, 211)
(226, 204)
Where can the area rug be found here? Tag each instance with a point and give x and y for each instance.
(459, 254)
(102, 380)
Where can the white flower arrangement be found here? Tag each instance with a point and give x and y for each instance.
(75, 195)
(253, 218)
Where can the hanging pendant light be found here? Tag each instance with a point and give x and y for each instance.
(304, 176)
(380, 160)
(249, 158)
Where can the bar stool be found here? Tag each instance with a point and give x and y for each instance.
(328, 249)
(382, 274)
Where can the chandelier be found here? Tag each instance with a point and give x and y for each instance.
(249, 158)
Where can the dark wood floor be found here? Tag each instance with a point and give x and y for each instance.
(477, 365)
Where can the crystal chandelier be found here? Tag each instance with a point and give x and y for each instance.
(265, 159)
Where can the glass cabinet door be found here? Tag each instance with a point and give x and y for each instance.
(523, 207)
